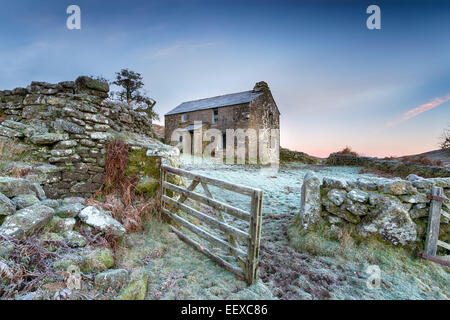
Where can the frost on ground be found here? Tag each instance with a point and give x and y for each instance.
(318, 268)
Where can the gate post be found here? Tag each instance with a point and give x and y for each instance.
(434, 218)
(255, 237)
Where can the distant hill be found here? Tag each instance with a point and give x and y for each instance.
(287, 155)
(435, 156)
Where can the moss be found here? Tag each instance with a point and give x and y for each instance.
(141, 164)
(99, 259)
(136, 290)
(148, 186)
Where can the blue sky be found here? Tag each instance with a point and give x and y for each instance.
(336, 82)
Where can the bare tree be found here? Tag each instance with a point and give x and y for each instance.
(445, 139)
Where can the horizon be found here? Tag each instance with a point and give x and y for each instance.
(382, 92)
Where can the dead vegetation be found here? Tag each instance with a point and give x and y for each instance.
(118, 193)
(28, 264)
(348, 150)
(422, 160)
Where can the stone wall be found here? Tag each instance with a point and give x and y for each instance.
(394, 167)
(391, 210)
(63, 130)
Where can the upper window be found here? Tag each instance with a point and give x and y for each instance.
(215, 115)
(184, 117)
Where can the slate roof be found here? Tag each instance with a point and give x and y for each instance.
(216, 102)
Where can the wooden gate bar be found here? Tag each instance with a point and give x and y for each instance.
(228, 266)
(208, 219)
(202, 233)
(215, 182)
(236, 212)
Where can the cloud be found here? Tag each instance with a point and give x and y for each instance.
(420, 109)
(180, 47)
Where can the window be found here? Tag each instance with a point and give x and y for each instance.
(215, 115)
(184, 117)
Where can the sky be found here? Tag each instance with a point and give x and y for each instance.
(382, 92)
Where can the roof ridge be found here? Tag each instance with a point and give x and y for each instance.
(222, 95)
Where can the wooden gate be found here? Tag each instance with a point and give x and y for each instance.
(243, 245)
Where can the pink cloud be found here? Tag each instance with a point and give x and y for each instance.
(420, 109)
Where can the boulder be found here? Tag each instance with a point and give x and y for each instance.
(100, 220)
(40, 193)
(337, 196)
(48, 138)
(335, 183)
(358, 195)
(136, 290)
(26, 220)
(25, 200)
(392, 223)
(74, 239)
(50, 203)
(310, 200)
(116, 279)
(58, 224)
(89, 83)
(12, 187)
(7, 207)
(67, 126)
(70, 210)
(397, 187)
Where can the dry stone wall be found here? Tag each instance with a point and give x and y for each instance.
(64, 130)
(394, 167)
(392, 210)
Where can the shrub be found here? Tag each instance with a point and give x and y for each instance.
(348, 150)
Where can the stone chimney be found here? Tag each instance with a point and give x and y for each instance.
(261, 86)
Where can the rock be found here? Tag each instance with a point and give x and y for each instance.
(334, 183)
(70, 210)
(98, 259)
(415, 198)
(6, 249)
(392, 222)
(10, 133)
(89, 83)
(26, 220)
(12, 187)
(58, 224)
(63, 125)
(115, 279)
(25, 200)
(358, 209)
(38, 191)
(14, 125)
(358, 195)
(74, 239)
(336, 196)
(50, 203)
(101, 135)
(48, 138)
(101, 221)
(72, 200)
(341, 212)
(413, 177)
(7, 207)
(136, 290)
(310, 200)
(397, 187)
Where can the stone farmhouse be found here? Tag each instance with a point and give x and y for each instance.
(255, 109)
